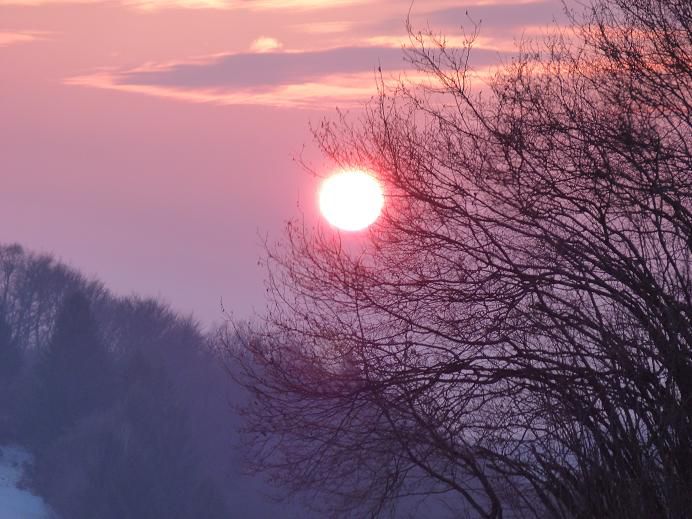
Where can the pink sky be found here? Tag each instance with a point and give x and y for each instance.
(150, 142)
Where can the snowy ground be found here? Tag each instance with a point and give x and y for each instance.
(14, 502)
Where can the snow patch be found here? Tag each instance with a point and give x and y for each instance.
(16, 503)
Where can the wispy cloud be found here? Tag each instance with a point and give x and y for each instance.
(323, 92)
(248, 70)
(300, 4)
(502, 42)
(497, 15)
(249, 5)
(297, 79)
(279, 5)
(265, 44)
(14, 38)
(334, 27)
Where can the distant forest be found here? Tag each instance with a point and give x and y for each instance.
(124, 403)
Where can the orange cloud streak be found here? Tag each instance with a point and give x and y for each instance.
(14, 38)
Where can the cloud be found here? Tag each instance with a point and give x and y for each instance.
(265, 44)
(506, 42)
(300, 79)
(333, 27)
(14, 38)
(479, 42)
(323, 92)
(281, 5)
(250, 5)
(299, 4)
(44, 2)
(246, 70)
(500, 15)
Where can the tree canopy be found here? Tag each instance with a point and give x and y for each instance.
(514, 334)
(121, 401)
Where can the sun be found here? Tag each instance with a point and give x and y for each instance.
(351, 200)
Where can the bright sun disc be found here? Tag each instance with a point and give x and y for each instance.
(351, 200)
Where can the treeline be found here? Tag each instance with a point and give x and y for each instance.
(122, 401)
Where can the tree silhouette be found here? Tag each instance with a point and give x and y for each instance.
(515, 331)
(10, 366)
(120, 399)
(10, 354)
(132, 460)
(75, 374)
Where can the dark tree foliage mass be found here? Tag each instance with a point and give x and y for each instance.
(513, 337)
(74, 374)
(124, 404)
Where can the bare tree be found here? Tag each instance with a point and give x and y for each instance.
(515, 331)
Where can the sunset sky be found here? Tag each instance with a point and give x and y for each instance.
(151, 142)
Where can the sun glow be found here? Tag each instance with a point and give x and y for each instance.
(351, 199)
